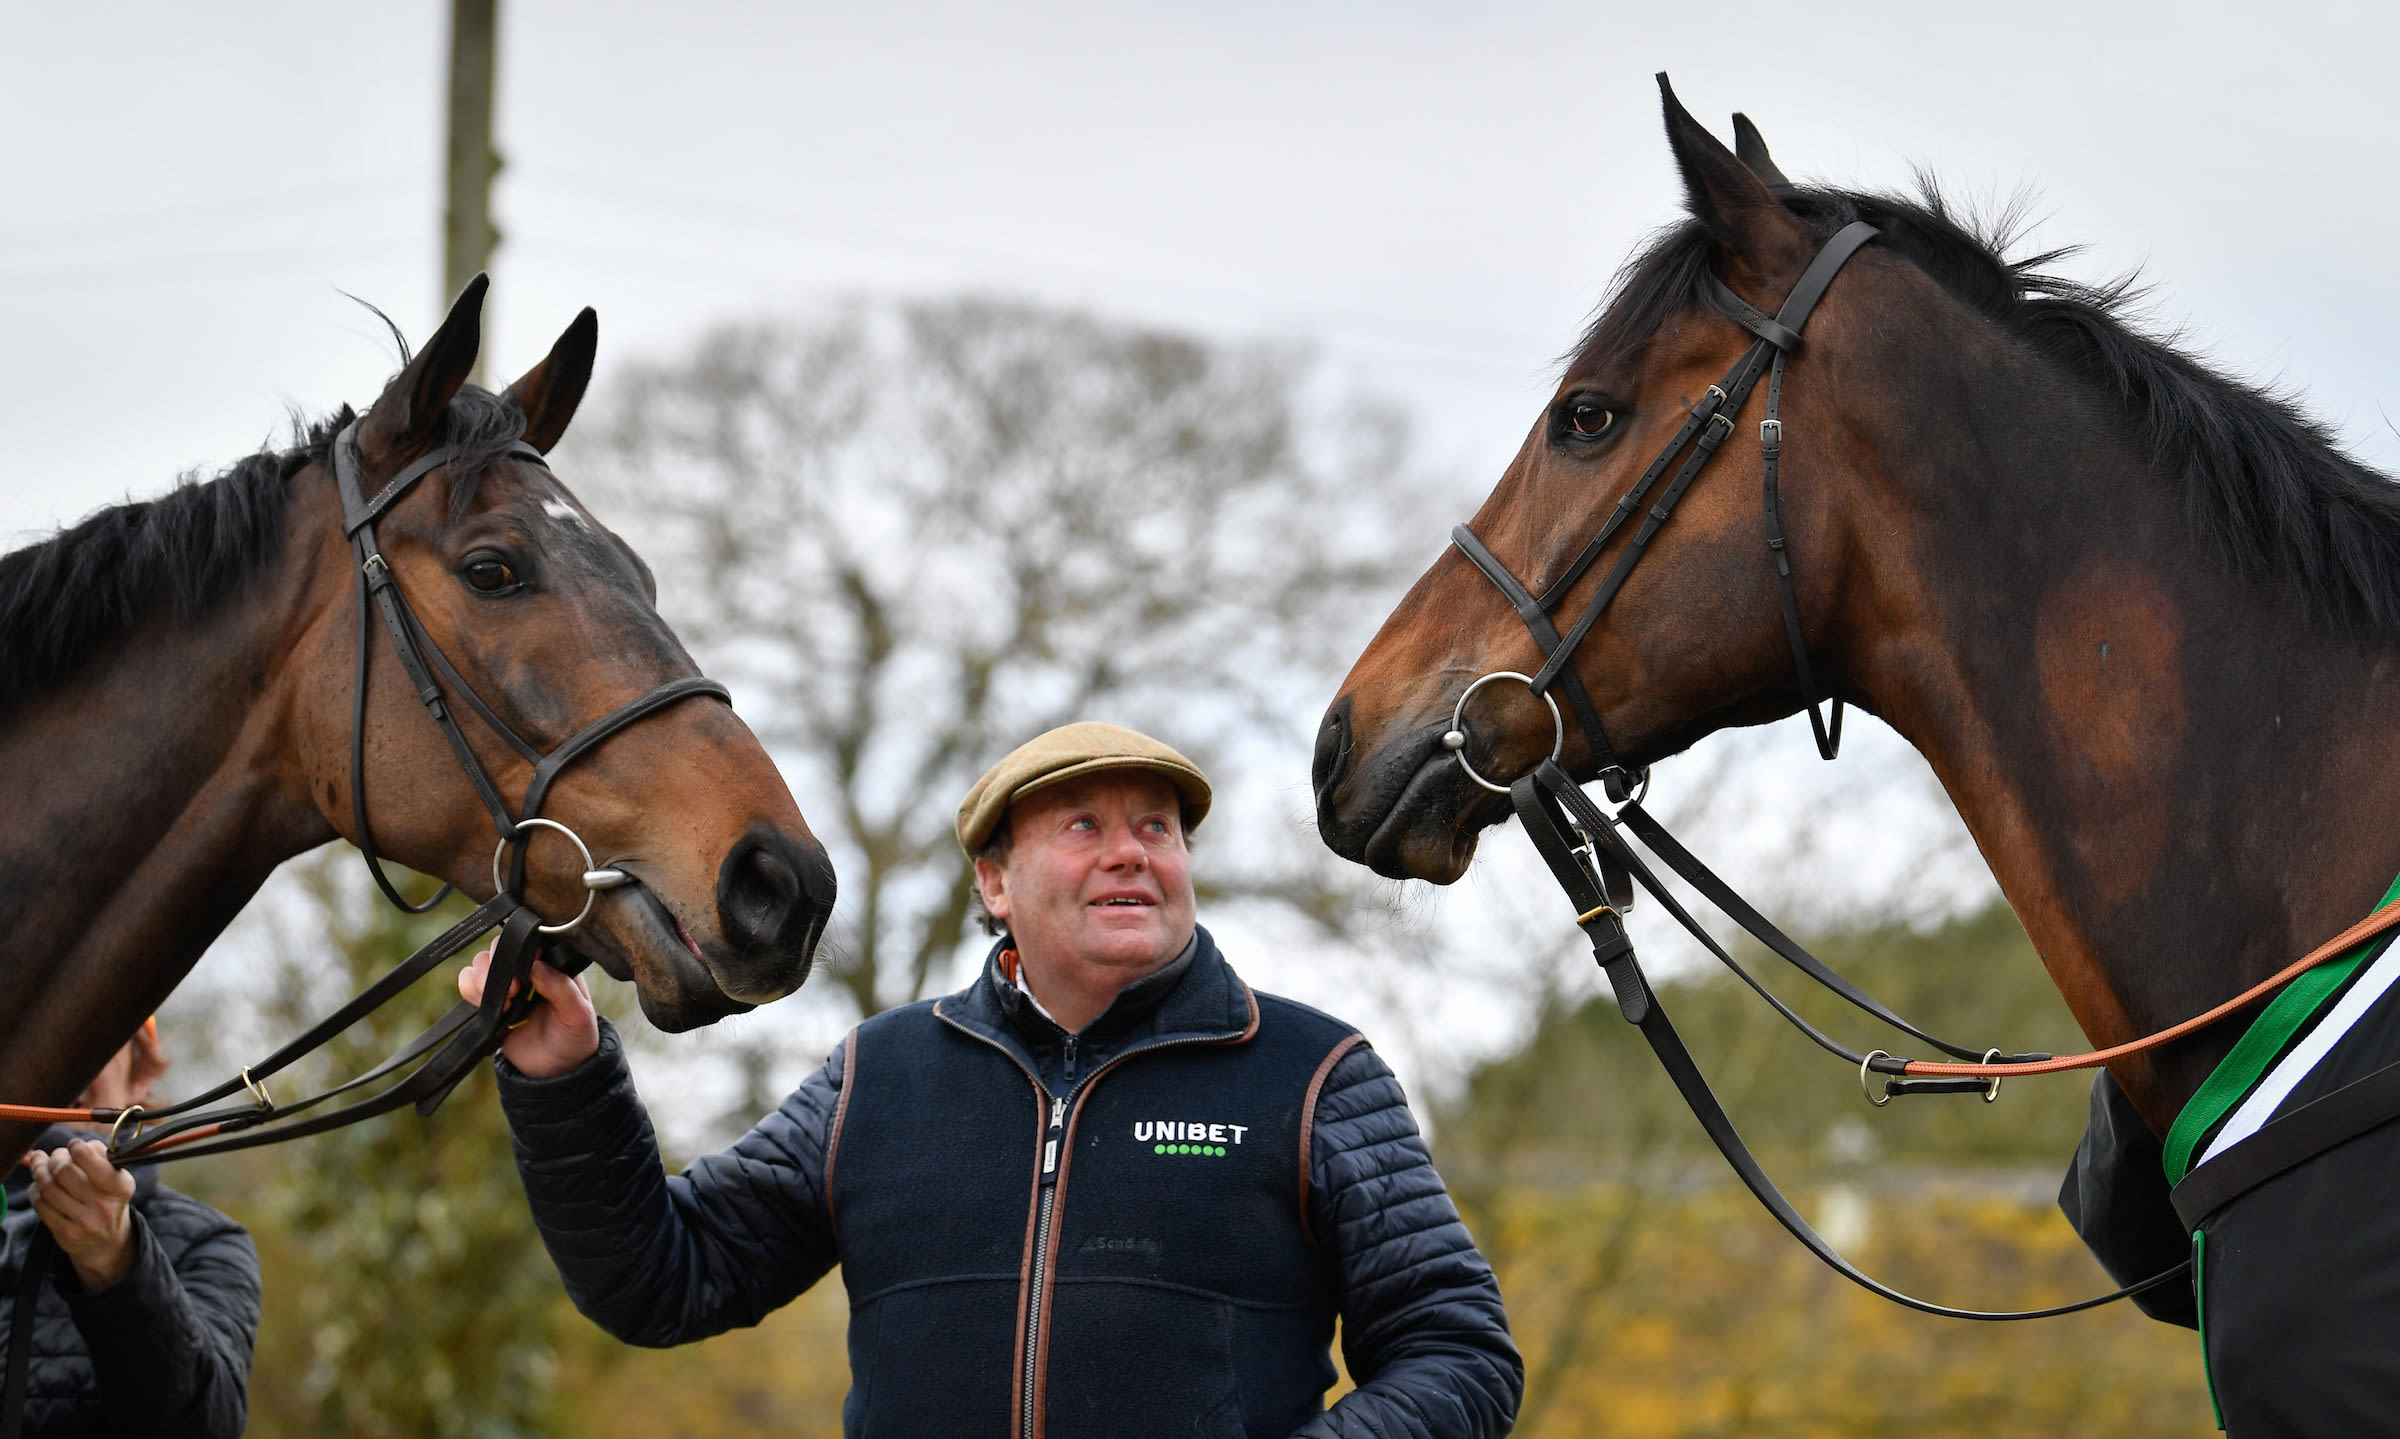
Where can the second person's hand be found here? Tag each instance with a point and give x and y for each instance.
(559, 1035)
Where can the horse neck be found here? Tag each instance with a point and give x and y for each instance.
(2181, 778)
(149, 794)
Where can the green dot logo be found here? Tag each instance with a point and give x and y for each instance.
(1220, 1151)
(1158, 1149)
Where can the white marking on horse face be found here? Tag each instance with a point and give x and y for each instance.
(561, 510)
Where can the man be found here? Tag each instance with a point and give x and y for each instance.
(147, 1318)
(1105, 1190)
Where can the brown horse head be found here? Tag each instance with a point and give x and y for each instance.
(1693, 641)
(550, 619)
(2139, 617)
(177, 679)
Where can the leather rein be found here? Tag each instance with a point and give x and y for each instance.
(435, 1061)
(1598, 869)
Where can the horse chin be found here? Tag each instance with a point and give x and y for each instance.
(638, 939)
(688, 1009)
(1432, 828)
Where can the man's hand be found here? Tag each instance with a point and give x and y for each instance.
(559, 1035)
(87, 1204)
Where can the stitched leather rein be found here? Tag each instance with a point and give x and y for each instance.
(436, 1060)
(1592, 862)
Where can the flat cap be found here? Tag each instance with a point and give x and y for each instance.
(1069, 752)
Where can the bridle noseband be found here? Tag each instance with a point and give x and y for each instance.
(1702, 431)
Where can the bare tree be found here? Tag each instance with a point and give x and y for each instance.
(912, 537)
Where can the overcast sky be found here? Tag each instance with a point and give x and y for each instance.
(1434, 195)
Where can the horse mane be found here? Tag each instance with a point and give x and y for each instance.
(179, 556)
(2263, 482)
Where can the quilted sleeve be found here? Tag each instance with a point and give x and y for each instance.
(659, 1259)
(170, 1343)
(1423, 1332)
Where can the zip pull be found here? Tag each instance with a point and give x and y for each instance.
(1058, 1118)
(1058, 1111)
(1069, 1060)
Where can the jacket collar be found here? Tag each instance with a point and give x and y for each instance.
(1197, 997)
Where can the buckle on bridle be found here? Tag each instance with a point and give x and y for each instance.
(132, 1112)
(1770, 432)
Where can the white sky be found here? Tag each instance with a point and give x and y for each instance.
(1434, 195)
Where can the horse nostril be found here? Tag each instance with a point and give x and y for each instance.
(772, 892)
(1333, 749)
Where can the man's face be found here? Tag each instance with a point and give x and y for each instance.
(1096, 875)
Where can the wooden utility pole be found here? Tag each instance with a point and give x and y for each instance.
(468, 234)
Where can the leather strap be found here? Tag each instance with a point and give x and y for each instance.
(1770, 446)
(1702, 431)
(2332, 949)
(1535, 797)
(1716, 891)
(2285, 1143)
(1536, 616)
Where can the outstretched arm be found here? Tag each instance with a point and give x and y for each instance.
(659, 1259)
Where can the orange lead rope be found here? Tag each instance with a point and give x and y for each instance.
(2374, 924)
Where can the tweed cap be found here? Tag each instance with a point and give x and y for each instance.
(1066, 753)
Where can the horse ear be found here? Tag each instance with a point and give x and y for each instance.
(411, 405)
(550, 391)
(1750, 148)
(1727, 197)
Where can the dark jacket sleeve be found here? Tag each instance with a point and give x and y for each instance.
(1423, 1332)
(659, 1259)
(170, 1343)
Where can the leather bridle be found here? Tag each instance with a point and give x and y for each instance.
(436, 1060)
(1592, 862)
(1702, 431)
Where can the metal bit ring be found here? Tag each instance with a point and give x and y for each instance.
(591, 891)
(1456, 738)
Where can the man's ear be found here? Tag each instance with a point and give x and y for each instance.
(550, 391)
(1729, 199)
(1750, 147)
(992, 883)
(408, 413)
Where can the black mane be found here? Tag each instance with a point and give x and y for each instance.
(2264, 482)
(177, 557)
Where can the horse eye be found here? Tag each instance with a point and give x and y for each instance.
(1590, 420)
(490, 576)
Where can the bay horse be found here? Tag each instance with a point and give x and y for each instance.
(176, 719)
(2142, 620)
